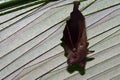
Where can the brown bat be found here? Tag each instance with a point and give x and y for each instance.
(75, 38)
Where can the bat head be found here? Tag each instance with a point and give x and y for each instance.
(77, 56)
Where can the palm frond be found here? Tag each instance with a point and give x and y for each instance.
(30, 40)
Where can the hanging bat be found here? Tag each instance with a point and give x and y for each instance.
(75, 38)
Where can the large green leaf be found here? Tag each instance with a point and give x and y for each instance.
(30, 41)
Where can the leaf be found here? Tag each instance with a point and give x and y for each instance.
(32, 42)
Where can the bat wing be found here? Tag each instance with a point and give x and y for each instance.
(75, 39)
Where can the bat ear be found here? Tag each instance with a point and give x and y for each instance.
(89, 52)
(89, 59)
(82, 67)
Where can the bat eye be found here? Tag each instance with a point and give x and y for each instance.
(74, 49)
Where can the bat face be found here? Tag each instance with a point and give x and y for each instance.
(75, 38)
(77, 55)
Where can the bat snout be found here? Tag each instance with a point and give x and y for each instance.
(71, 61)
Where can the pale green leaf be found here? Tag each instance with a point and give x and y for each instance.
(30, 41)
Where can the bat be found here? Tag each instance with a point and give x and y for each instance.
(74, 40)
